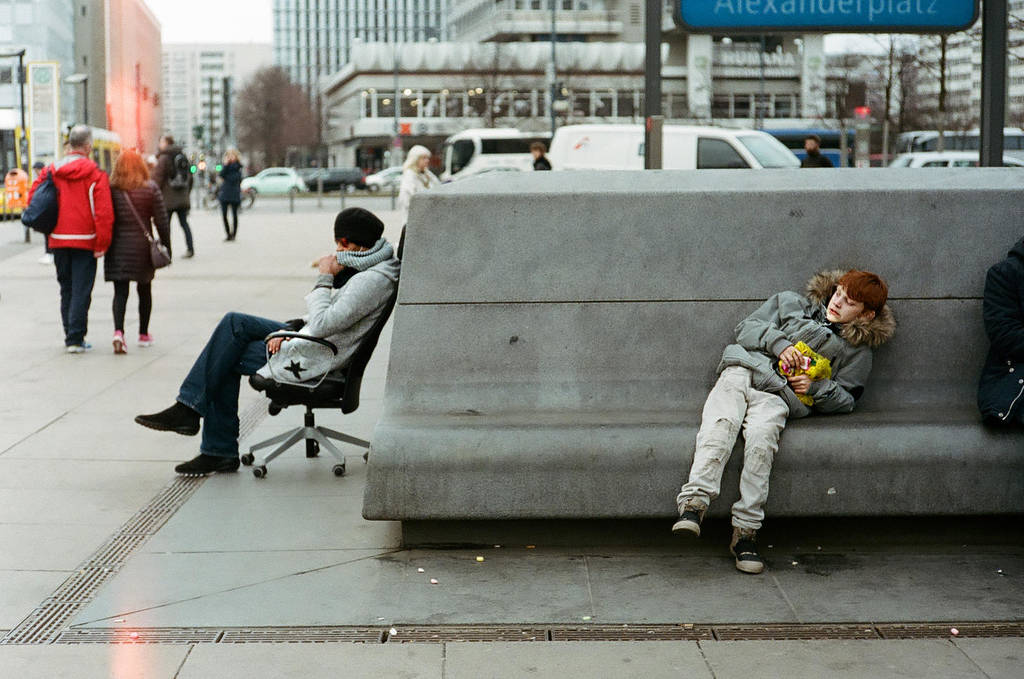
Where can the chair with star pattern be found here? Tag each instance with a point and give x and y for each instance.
(339, 389)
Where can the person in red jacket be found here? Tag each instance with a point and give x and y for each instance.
(84, 227)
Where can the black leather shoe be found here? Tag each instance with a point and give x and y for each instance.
(178, 418)
(203, 464)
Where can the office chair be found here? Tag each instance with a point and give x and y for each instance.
(337, 389)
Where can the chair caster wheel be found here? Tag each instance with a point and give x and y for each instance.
(259, 472)
(247, 459)
(312, 448)
(339, 470)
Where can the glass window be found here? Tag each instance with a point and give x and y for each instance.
(935, 163)
(477, 105)
(505, 145)
(385, 106)
(717, 154)
(965, 163)
(453, 105)
(461, 153)
(741, 106)
(626, 104)
(721, 106)
(603, 104)
(769, 151)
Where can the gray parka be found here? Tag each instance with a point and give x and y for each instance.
(342, 317)
(787, 318)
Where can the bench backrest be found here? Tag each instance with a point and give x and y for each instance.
(615, 292)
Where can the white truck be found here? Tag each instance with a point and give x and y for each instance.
(685, 147)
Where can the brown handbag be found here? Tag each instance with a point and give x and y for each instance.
(159, 255)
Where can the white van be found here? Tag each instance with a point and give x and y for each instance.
(685, 147)
(472, 151)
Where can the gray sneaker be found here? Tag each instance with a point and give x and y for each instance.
(78, 348)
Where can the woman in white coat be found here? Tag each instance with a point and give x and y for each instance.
(415, 178)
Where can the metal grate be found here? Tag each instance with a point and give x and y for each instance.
(302, 635)
(632, 633)
(945, 629)
(793, 631)
(41, 626)
(144, 635)
(45, 623)
(404, 635)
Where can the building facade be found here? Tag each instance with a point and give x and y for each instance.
(316, 38)
(530, 20)
(117, 45)
(45, 29)
(443, 88)
(199, 84)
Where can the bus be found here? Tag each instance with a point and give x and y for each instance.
(830, 142)
(471, 151)
(965, 140)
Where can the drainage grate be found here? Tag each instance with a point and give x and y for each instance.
(302, 635)
(44, 624)
(41, 626)
(944, 629)
(793, 631)
(142, 635)
(632, 633)
(404, 635)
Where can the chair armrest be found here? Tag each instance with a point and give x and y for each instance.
(298, 335)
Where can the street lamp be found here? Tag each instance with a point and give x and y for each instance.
(83, 79)
(21, 91)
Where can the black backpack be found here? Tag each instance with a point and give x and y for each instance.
(182, 172)
(41, 213)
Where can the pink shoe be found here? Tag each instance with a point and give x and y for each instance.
(119, 344)
(145, 340)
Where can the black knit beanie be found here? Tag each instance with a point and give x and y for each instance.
(358, 226)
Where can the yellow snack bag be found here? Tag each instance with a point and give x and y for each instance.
(814, 365)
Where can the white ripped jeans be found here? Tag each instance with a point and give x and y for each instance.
(732, 404)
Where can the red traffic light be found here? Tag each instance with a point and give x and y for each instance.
(862, 112)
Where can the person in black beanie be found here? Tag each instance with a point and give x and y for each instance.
(353, 286)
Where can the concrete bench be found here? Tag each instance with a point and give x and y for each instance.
(557, 333)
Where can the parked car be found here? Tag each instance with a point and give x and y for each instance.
(337, 178)
(275, 181)
(946, 159)
(306, 172)
(385, 180)
(684, 147)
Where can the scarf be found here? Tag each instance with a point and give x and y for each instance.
(364, 259)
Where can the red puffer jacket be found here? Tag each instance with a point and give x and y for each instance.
(86, 217)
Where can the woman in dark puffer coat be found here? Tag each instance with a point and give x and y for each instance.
(128, 257)
(1001, 390)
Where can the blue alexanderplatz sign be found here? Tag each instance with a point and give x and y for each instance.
(827, 16)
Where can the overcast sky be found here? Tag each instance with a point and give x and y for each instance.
(250, 21)
(214, 20)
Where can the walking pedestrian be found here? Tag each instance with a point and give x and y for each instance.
(82, 233)
(415, 177)
(173, 174)
(230, 192)
(540, 161)
(138, 204)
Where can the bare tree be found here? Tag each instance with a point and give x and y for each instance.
(274, 116)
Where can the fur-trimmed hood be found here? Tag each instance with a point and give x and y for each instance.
(857, 332)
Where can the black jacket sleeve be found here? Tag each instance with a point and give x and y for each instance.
(1001, 309)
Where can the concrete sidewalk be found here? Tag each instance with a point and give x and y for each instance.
(101, 544)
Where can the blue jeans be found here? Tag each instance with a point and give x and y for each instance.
(234, 349)
(76, 274)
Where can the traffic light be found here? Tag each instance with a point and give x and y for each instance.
(193, 169)
(217, 167)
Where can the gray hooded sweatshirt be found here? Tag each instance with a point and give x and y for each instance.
(342, 317)
(787, 318)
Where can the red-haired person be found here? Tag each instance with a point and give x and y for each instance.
(138, 204)
(766, 378)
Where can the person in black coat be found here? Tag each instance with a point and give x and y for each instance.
(812, 144)
(138, 205)
(230, 192)
(540, 161)
(1001, 390)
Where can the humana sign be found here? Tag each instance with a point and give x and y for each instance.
(833, 16)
